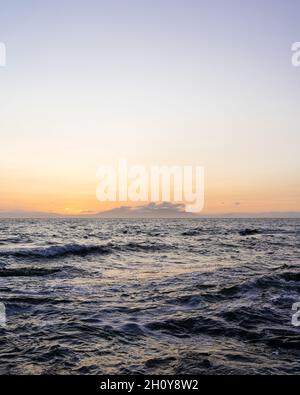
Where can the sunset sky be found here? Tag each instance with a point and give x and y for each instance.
(161, 82)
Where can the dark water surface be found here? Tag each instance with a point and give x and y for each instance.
(149, 296)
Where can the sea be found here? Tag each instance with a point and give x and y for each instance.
(149, 296)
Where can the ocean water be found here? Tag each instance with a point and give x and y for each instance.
(149, 296)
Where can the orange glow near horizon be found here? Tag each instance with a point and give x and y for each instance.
(72, 198)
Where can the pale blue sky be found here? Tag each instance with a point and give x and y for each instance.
(206, 82)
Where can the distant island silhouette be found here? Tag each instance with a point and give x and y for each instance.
(150, 210)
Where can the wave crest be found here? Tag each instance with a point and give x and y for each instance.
(56, 251)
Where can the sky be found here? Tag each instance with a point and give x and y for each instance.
(165, 82)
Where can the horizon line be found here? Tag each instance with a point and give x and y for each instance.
(27, 214)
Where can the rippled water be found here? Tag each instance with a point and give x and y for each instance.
(149, 296)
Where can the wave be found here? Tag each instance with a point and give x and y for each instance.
(248, 232)
(14, 240)
(56, 251)
(143, 247)
(27, 272)
(282, 280)
(35, 300)
(192, 232)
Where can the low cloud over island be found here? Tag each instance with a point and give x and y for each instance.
(150, 210)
